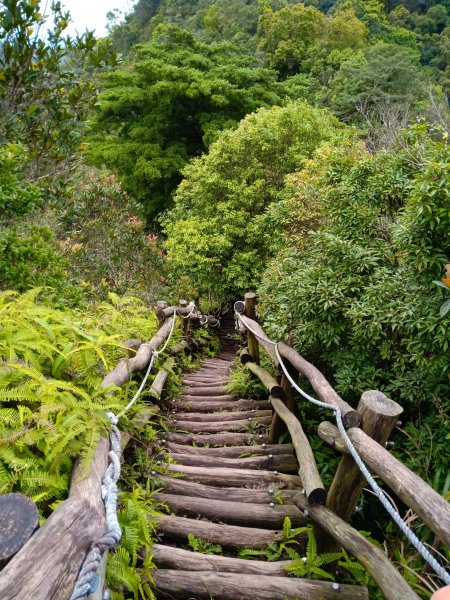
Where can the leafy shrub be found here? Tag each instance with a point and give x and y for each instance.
(217, 233)
(30, 258)
(16, 198)
(357, 295)
(51, 404)
(104, 241)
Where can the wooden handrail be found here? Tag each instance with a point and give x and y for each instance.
(376, 563)
(37, 571)
(318, 382)
(431, 507)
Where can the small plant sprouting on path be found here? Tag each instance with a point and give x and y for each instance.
(198, 545)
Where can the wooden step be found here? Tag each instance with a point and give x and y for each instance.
(204, 585)
(211, 405)
(237, 477)
(216, 390)
(218, 426)
(168, 557)
(217, 439)
(233, 513)
(284, 463)
(237, 415)
(202, 384)
(183, 487)
(228, 536)
(222, 398)
(232, 452)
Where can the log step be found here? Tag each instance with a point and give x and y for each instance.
(168, 557)
(277, 462)
(233, 452)
(183, 487)
(233, 513)
(211, 405)
(227, 536)
(222, 398)
(218, 426)
(221, 416)
(236, 477)
(212, 390)
(217, 439)
(204, 585)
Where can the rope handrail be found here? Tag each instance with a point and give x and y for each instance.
(389, 507)
(88, 578)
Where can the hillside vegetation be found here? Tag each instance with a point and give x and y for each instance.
(202, 149)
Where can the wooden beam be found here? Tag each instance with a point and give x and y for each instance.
(373, 559)
(379, 415)
(204, 585)
(319, 384)
(430, 506)
(309, 474)
(262, 338)
(273, 387)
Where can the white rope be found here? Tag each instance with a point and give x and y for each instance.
(88, 577)
(392, 511)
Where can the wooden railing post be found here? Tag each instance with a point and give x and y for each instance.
(250, 312)
(378, 415)
(185, 322)
(277, 424)
(160, 306)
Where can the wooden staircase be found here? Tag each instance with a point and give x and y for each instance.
(235, 490)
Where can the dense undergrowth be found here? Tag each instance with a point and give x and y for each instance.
(220, 121)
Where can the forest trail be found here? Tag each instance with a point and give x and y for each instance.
(235, 491)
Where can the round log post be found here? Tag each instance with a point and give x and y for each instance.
(185, 322)
(160, 306)
(378, 415)
(250, 312)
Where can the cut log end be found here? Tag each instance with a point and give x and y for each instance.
(19, 520)
(351, 419)
(318, 497)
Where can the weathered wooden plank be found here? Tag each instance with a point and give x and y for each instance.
(217, 426)
(308, 471)
(183, 487)
(222, 416)
(236, 477)
(228, 536)
(233, 513)
(168, 557)
(204, 585)
(284, 463)
(233, 452)
(217, 439)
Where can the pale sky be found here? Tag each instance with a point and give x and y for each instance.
(91, 14)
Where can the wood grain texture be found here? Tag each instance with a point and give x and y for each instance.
(372, 558)
(431, 507)
(233, 513)
(309, 474)
(204, 585)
